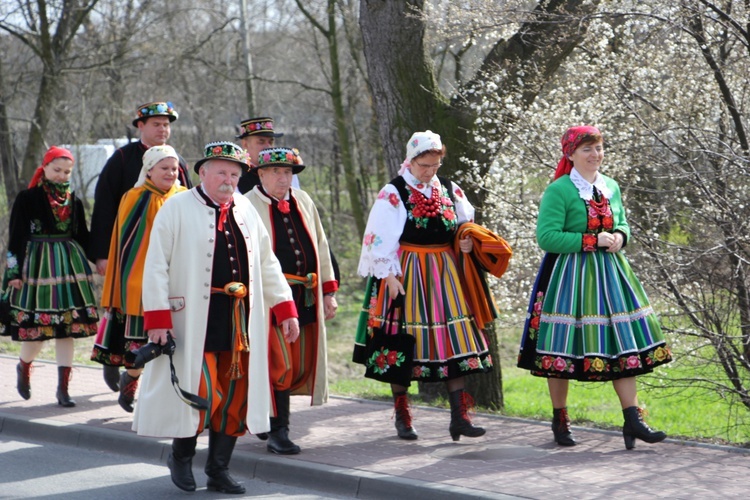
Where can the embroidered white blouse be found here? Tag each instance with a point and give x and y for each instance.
(380, 245)
(586, 189)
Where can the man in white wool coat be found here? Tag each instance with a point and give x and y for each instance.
(210, 278)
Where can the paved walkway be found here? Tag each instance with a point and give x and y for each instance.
(349, 448)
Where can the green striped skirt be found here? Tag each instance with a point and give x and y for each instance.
(589, 319)
(57, 297)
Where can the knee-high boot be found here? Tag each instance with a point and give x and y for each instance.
(180, 462)
(634, 427)
(23, 382)
(404, 429)
(220, 448)
(278, 438)
(63, 378)
(460, 421)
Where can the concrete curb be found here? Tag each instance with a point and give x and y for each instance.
(318, 477)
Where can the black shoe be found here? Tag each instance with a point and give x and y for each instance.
(23, 382)
(404, 429)
(223, 483)
(111, 376)
(561, 427)
(180, 462)
(220, 448)
(181, 471)
(63, 378)
(279, 442)
(128, 386)
(634, 427)
(461, 424)
(263, 436)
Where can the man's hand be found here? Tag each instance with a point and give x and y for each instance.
(17, 284)
(290, 329)
(329, 306)
(159, 335)
(101, 266)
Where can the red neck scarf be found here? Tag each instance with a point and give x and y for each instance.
(223, 212)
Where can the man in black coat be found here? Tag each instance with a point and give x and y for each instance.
(255, 134)
(120, 173)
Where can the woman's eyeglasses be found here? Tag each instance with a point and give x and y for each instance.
(430, 165)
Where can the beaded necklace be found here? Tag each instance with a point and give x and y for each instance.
(424, 208)
(599, 213)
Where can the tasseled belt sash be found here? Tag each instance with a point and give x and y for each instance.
(240, 342)
(310, 282)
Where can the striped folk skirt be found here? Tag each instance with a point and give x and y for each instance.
(589, 319)
(118, 333)
(449, 344)
(57, 297)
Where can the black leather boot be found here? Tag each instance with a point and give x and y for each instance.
(220, 448)
(634, 427)
(404, 428)
(63, 377)
(461, 424)
(561, 427)
(23, 382)
(111, 376)
(278, 438)
(180, 462)
(128, 386)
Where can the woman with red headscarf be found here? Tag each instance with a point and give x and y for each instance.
(589, 318)
(47, 281)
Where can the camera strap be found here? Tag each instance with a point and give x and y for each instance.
(190, 399)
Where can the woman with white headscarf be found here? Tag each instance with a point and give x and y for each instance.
(121, 330)
(407, 250)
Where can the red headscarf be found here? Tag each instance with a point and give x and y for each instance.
(571, 139)
(52, 153)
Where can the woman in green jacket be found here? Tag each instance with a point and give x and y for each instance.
(589, 318)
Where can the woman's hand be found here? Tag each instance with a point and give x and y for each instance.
(395, 288)
(611, 241)
(101, 266)
(466, 245)
(17, 284)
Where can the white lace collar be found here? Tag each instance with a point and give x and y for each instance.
(420, 186)
(586, 189)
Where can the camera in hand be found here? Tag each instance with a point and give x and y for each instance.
(150, 351)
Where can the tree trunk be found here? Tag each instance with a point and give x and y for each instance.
(35, 145)
(339, 114)
(247, 61)
(408, 99)
(342, 122)
(8, 164)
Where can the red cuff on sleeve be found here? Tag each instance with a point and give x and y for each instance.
(330, 286)
(284, 311)
(589, 242)
(157, 319)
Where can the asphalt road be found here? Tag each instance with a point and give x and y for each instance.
(30, 469)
